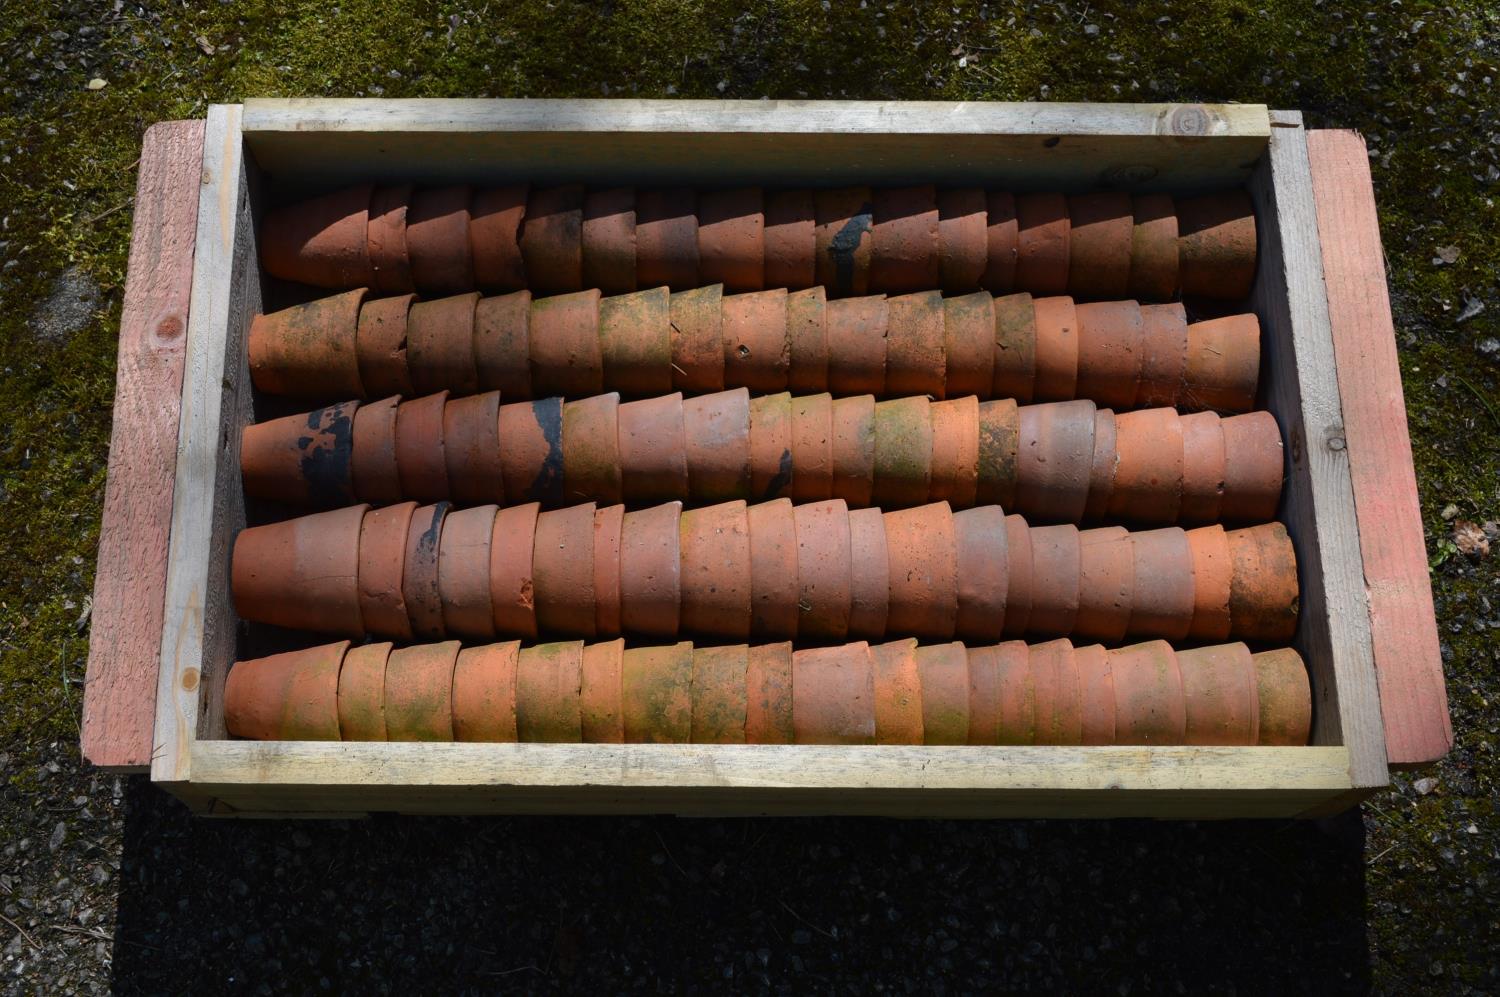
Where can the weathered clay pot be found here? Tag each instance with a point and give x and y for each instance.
(943, 670)
(1106, 584)
(807, 334)
(1283, 698)
(464, 572)
(898, 693)
(549, 681)
(1216, 244)
(552, 239)
(563, 570)
(869, 573)
(666, 238)
(565, 355)
(983, 572)
(1101, 227)
(812, 447)
(1056, 349)
(999, 432)
(609, 524)
(361, 697)
(380, 346)
(1018, 584)
(962, 240)
(854, 449)
(437, 240)
(653, 449)
(1164, 591)
(717, 431)
(301, 573)
(651, 570)
(1223, 363)
(419, 692)
(1042, 243)
(824, 566)
(609, 261)
(531, 454)
(1002, 242)
(421, 460)
(1102, 469)
(903, 452)
(1015, 359)
(1111, 346)
(1218, 690)
(419, 571)
(471, 448)
(923, 558)
(308, 350)
(286, 697)
(635, 342)
(1153, 248)
(955, 452)
(757, 349)
(495, 218)
(915, 347)
(1017, 696)
(715, 569)
(502, 344)
(373, 467)
(731, 239)
(833, 695)
(440, 344)
(1253, 461)
(843, 240)
(304, 459)
(774, 586)
(984, 696)
(1096, 686)
(1058, 699)
(904, 239)
(768, 694)
(1212, 574)
(1054, 460)
(698, 339)
(484, 693)
(771, 446)
(1263, 593)
(855, 332)
(1056, 567)
(1202, 467)
(720, 699)
(969, 345)
(385, 236)
(320, 241)
(382, 566)
(600, 689)
(789, 239)
(1149, 707)
(656, 694)
(512, 585)
(1149, 469)
(1164, 354)
(591, 449)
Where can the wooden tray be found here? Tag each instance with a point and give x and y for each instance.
(164, 631)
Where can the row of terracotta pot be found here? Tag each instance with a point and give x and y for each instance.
(1118, 353)
(852, 240)
(894, 693)
(770, 570)
(1057, 462)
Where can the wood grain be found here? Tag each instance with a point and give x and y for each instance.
(1403, 627)
(119, 695)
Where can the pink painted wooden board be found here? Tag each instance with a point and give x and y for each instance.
(119, 699)
(1409, 669)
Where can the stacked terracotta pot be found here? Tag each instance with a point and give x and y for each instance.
(837, 407)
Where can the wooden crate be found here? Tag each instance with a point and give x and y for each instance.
(168, 633)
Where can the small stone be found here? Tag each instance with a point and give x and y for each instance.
(1449, 511)
(1425, 785)
(97, 84)
(1489, 346)
(1445, 254)
(59, 834)
(1472, 307)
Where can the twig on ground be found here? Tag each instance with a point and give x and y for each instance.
(22, 930)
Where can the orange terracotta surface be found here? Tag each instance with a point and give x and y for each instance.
(1016, 692)
(1203, 467)
(291, 696)
(421, 463)
(855, 331)
(656, 698)
(512, 586)
(601, 688)
(812, 447)
(807, 336)
(1263, 593)
(591, 449)
(903, 451)
(771, 446)
(361, 693)
(562, 568)
(484, 693)
(301, 573)
(1001, 242)
(650, 570)
(495, 218)
(322, 240)
(1164, 593)
(531, 454)
(385, 238)
(904, 239)
(565, 353)
(471, 448)
(1149, 472)
(1054, 460)
(609, 524)
(731, 238)
(824, 579)
(969, 344)
(382, 566)
(789, 239)
(440, 344)
(757, 346)
(768, 694)
(635, 342)
(549, 682)
(720, 697)
(1042, 243)
(717, 432)
(380, 346)
(1106, 584)
(853, 452)
(715, 570)
(437, 239)
(920, 546)
(1018, 586)
(983, 572)
(833, 695)
(1056, 572)
(653, 449)
(419, 692)
(464, 572)
(843, 240)
(1153, 248)
(666, 238)
(999, 432)
(1102, 469)
(1111, 350)
(869, 573)
(1096, 684)
(1223, 363)
(955, 451)
(1212, 575)
(984, 696)
(1058, 702)
(898, 693)
(1283, 698)
(962, 239)
(774, 585)
(608, 238)
(305, 459)
(1253, 461)
(309, 350)
(1219, 692)
(1149, 708)
(1056, 349)
(698, 339)
(915, 353)
(502, 344)
(1216, 244)
(552, 239)
(419, 572)
(1015, 357)
(1101, 229)
(1164, 357)
(943, 670)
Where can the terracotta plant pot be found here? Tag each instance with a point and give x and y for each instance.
(983, 572)
(421, 460)
(385, 239)
(549, 683)
(999, 433)
(287, 697)
(1056, 567)
(897, 692)
(320, 241)
(531, 454)
(591, 449)
(1106, 584)
(552, 239)
(771, 446)
(1203, 467)
(1153, 248)
(1056, 349)
(856, 335)
(1018, 585)
(1101, 229)
(1002, 242)
(904, 239)
(1253, 461)
(440, 344)
(1043, 246)
(1216, 244)
(653, 449)
(437, 240)
(301, 459)
(464, 572)
(1096, 686)
(609, 525)
(1149, 708)
(731, 239)
(419, 572)
(565, 354)
(757, 348)
(635, 342)
(1017, 696)
(502, 344)
(807, 334)
(601, 688)
(1164, 593)
(666, 238)
(308, 350)
(301, 573)
(1111, 347)
(512, 584)
(869, 573)
(923, 558)
(419, 692)
(824, 569)
(984, 696)
(380, 346)
(790, 239)
(774, 585)
(720, 698)
(714, 548)
(812, 447)
(1102, 469)
(563, 570)
(495, 219)
(853, 450)
(717, 432)
(1219, 692)
(484, 693)
(962, 240)
(1283, 698)
(1263, 593)
(1164, 354)
(1054, 459)
(969, 345)
(382, 567)
(833, 695)
(609, 256)
(843, 240)
(1057, 696)
(698, 339)
(471, 449)
(1223, 363)
(916, 361)
(955, 452)
(656, 694)
(1149, 466)
(903, 452)
(768, 694)
(651, 570)
(1212, 575)
(361, 695)
(943, 670)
